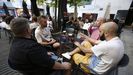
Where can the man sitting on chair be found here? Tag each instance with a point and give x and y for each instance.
(43, 33)
(28, 56)
(104, 55)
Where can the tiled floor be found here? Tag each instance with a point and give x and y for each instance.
(4, 50)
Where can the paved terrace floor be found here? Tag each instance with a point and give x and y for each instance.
(126, 36)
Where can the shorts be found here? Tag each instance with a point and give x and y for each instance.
(78, 58)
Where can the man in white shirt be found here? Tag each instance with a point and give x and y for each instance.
(43, 34)
(105, 54)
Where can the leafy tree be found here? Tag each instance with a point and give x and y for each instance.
(40, 2)
(62, 7)
(77, 3)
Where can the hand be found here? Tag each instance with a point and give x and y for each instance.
(50, 53)
(66, 65)
(77, 43)
(52, 41)
(83, 35)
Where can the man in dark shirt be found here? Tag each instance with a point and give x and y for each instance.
(29, 57)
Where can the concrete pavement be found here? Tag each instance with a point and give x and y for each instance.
(126, 36)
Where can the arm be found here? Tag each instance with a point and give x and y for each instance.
(42, 41)
(93, 41)
(45, 42)
(85, 50)
(38, 55)
(64, 65)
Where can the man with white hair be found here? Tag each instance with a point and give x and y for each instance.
(94, 29)
(105, 54)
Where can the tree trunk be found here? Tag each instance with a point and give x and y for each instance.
(55, 12)
(25, 10)
(64, 5)
(60, 18)
(75, 10)
(48, 10)
(34, 8)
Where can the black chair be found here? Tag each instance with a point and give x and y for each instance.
(113, 71)
(33, 33)
(0, 32)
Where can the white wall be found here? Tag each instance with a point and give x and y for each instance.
(97, 4)
(93, 8)
(3, 0)
(115, 4)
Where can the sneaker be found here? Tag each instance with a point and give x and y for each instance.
(66, 55)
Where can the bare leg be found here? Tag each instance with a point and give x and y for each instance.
(56, 45)
(76, 50)
(85, 44)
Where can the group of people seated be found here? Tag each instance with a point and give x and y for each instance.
(92, 27)
(32, 57)
(29, 56)
(99, 55)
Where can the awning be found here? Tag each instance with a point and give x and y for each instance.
(8, 4)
